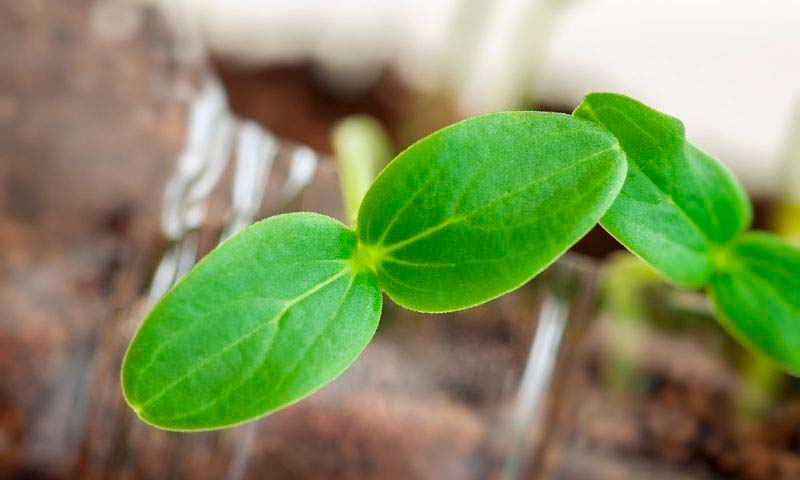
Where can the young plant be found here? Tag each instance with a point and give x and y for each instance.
(687, 216)
(463, 216)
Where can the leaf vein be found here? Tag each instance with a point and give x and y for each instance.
(463, 217)
(243, 338)
(255, 371)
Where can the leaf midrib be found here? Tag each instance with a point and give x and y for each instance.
(743, 270)
(177, 334)
(411, 199)
(255, 371)
(275, 319)
(386, 249)
(551, 213)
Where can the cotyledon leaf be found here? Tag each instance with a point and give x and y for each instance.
(478, 208)
(678, 204)
(756, 289)
(272, 314)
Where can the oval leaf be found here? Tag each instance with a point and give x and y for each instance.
(756, 289)
(272, 314)
(677, 203)
(478, 208)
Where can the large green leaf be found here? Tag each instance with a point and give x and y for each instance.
(756, 289)
(478, 208)
(677, 203)
(272, 314)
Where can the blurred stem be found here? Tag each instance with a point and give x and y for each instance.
(622, 284)
(761, 383)
(362, 147)
(786, 219)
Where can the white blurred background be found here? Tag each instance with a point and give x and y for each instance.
(730, 69)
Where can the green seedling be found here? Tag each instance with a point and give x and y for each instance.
(463, 216)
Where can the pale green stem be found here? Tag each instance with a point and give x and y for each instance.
(362, 148)
(786, 220)
(761, 383)
(622, 284)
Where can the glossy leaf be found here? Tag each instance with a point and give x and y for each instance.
(756, 290)
(677, 203)
(478, 208)
(272, 314)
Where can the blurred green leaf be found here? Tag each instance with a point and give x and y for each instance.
(756, 289)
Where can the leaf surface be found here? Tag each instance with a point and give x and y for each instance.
(478, 208)
(677, 203)
(271, 315)
(756, 289)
